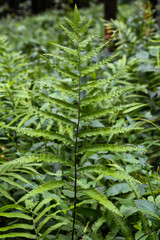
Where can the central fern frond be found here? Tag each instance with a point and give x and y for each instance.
(68, 106)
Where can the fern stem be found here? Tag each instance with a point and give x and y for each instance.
(150, 186)
(34, 227)
(14, 143)
(76, 144)
(148, 233)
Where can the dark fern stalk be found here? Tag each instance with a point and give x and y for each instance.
(76, 143)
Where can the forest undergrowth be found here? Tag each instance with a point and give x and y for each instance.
(79, 129)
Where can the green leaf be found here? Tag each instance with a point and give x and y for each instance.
(49, 230)
(103, 112)
(70, 34)
(134, 108)
(14, 235)
(71, 23)
(11, 182)
(109, 147)
(66, 49)
(52, 116)
(76, 16)
(6, 194)
(97, 224)
(101, 170)
(84, 28)
(93, 52)
(62, 71)
(104, 131)
(23, 226)
(150, 209)
(63, 59)
(41, 133)
(100, 97)
(8, 166)
(12, 206)
(15, 215)
(42, 203)
(118, 188)
(96, 195)
(56, 101)
(42, 188)
(97, 65)
(17, 176)
(85, 42)
(44, 211)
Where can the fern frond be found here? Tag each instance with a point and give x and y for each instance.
(103, 112)
(15, 215)
(42, 203)
(23, 120)
(91, 84)
(11, 182)
(132, 182)
(12, 206)
(96, 195)
(44, 211)
(53, 116)
(109, 172)
(14, 226)
(88, 100)
(61, 70)
(108, 147)
(99, 82)
(66, 49)
(63, 59)
(41, 133)
(93, 52)
(85, 42)
(97, 224)
(126, 232)
(84, 28)
(6, 194)
(76, 16)
(59, 102)
(72, 24)
(22, 161)
(17, 176)
(112, 234)
(49, 230)
(70, 34)
(135, 189)
(97, 66)
(104, 131)
(18, 234)
(42, 188)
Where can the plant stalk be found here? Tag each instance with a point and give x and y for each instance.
(76, 145)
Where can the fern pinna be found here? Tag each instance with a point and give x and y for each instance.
(69, 106)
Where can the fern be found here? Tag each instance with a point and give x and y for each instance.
(71, 106)
(40, 189)
(94, 194)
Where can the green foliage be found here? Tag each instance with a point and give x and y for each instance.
(74, 164)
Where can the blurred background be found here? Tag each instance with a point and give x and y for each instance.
(21, 7)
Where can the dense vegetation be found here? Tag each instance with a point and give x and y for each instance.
(79, 126)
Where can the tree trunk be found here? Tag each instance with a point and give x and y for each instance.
(154, 7)
(110, 9)
(80, 3)
(13, 5)
(41, 5)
